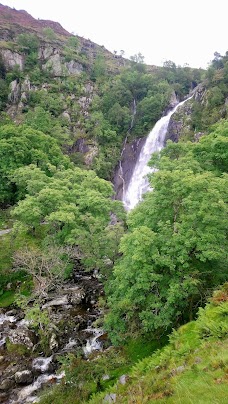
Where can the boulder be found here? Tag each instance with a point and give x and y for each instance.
(59, 301)
(23, 377)
(42, 365)
(110, 398)
(22, 336)
(123, 379)
(6, 384)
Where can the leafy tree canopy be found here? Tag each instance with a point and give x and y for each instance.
(21, 146)
(176, 246)
(76, 205)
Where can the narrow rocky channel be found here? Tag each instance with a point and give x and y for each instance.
(72, 312)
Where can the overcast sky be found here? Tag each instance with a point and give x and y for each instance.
(184, 31)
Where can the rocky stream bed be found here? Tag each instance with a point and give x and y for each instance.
(72, 312)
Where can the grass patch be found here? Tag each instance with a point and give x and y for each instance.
(137, 349)
(6, 298)
(192, 368)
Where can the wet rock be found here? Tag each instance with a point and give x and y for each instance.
(110, 398)
(22, 336)
(3, 398)
(59, 301)
(42, 365)
(75, 294)
(180, 123)
(40, 382)
(1, 359)
(124, 171)
(23, 377)
(6, 321)
(6, 384)
(53, 344)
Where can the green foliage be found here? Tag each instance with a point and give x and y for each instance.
(98, 69)
(28, 42)
(17, 350)
(3, 94)
(176, 246)
(212, 321)
(49, 34)
(22, 146)
(73, 42)
(39, 320)
(75, 203)
(180, 372)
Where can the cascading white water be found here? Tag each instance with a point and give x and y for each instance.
(139, 183)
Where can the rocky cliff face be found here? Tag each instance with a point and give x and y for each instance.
(125, 168)
(180, 125)
(15, 22)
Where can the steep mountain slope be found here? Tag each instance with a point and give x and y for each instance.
(70, 112)
(91, 94)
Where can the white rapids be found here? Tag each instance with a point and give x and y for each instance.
(93, 343)
(155, 141)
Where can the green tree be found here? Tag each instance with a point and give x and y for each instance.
(28, 42)
(174, 252)
(75, 204)
(49, 34)
(99, 68)
(21, 146)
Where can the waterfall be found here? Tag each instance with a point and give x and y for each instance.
(139, 183)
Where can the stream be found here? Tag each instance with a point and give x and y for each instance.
(72, 312)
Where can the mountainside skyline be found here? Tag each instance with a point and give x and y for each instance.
(178, 31)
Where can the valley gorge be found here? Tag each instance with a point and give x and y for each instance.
(105, 286)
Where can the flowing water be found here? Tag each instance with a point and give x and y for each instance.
(155, 141)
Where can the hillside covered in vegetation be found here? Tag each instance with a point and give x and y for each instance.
(68, 108)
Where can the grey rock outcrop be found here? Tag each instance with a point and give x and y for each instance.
(126, 166)
(12, 59)
(74, 68)
(54, 65)
(15, 92)
(54, 62)
(180, 123)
